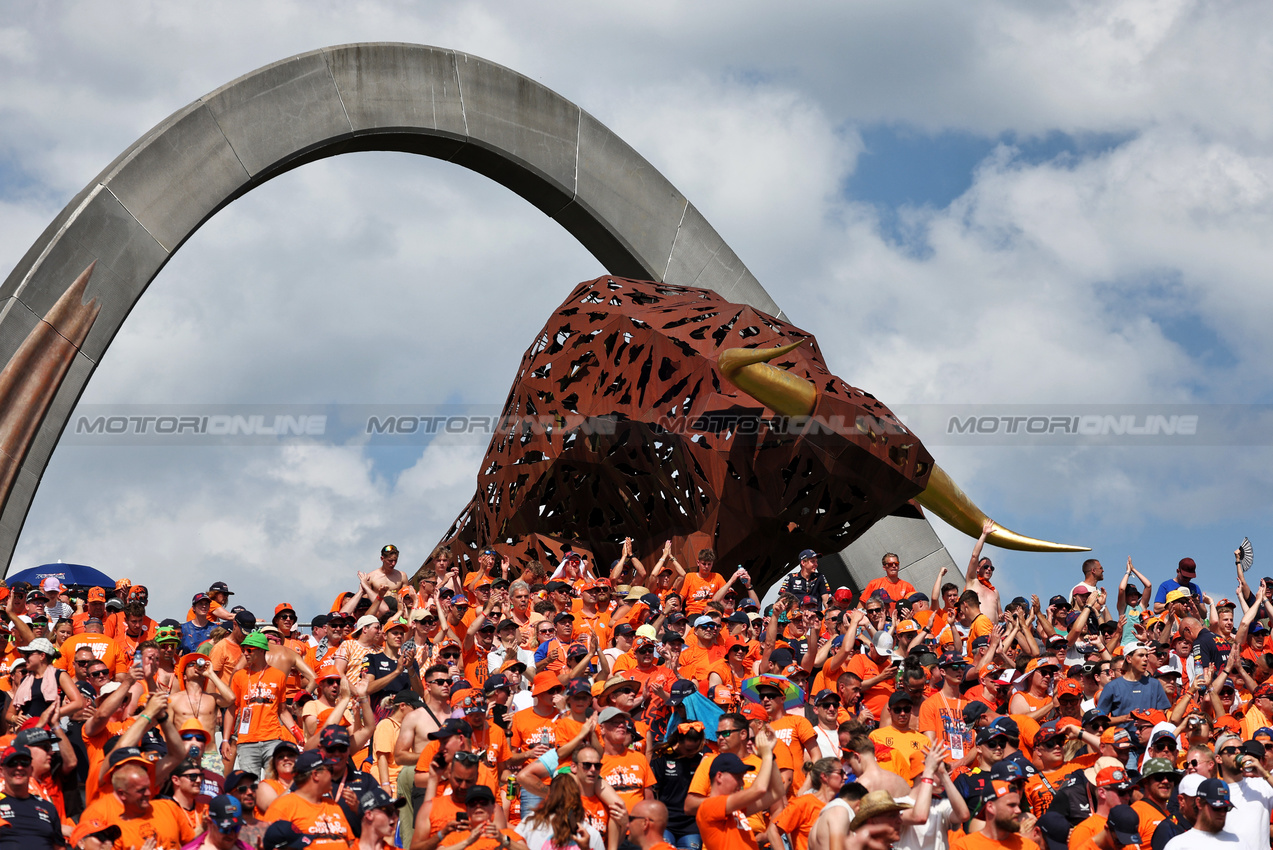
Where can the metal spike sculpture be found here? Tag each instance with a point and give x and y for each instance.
(652, 411)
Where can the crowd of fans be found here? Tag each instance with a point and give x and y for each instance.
(495, 705)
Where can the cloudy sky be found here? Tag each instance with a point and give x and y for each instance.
(993, 204)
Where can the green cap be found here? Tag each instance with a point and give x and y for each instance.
(256, 640)
(1158, 766)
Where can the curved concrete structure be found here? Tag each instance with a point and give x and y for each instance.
(360, 97)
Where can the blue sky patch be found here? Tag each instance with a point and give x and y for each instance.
(902, 167)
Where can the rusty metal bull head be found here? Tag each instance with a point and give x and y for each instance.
(661, 412)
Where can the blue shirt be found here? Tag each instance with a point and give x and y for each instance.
(192, 635)
(1121, 697)
(1160, 598)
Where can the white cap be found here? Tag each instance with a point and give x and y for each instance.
(109, 688)
(646, 631)
(884, 643)
(364, 621)
(1188, 786)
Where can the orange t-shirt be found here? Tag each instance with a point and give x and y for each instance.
(528, 729)
(798, 817)
(794, 731)
(94, 746)
(722, 830)
(1150, 817)
(978, 841)
(697, 592)
(257, 697)
(114, 625)
(102, 646)
(481, 844)
(895, 589)
(595, 813)
(225, 656)
(945, 717)
(165, 823)
(1086, 829)
(629, 775)
(875, 698)
(701, 783)
(323, 822)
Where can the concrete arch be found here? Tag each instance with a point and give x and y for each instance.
(377, 96)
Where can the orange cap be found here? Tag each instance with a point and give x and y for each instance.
(1068, 688)
(283, 606)
(123, 583)
(193, 725)
(327, 671)
(96, 594)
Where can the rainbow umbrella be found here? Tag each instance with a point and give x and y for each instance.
(792, 694)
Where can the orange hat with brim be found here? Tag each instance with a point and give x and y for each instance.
(543, 683)
(192, 658)
(193, 725)
(107, 832)
(327, 671)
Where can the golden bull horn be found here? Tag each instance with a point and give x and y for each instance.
(944, 498)
(777, 389)
(790, 395)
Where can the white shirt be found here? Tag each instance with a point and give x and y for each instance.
(1196, 839)
(539, 835)
(828, 743)
(930, 835)
(1249, 819)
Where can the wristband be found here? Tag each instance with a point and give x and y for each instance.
(147, 716)
(927, 780)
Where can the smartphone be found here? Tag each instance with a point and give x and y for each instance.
(462, 817)
(408, 648)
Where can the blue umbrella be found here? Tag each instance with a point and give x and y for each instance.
(67, 574)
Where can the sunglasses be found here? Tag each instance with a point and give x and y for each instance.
(439, 681)
(449, 656)
(465, 757)
(191, 777)
(243, 789)
(724, 733)
(589, 765)
(1227, 751)
(98, 674)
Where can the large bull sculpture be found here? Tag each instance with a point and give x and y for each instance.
(661, 412)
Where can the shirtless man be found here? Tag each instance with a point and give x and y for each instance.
(414, 733)
(386, 581)
(287, 660)
(197, 694)
(859, 756)
(980, 571)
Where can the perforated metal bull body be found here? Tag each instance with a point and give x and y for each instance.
(648, 411)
